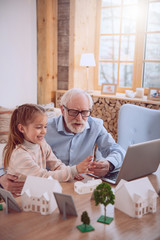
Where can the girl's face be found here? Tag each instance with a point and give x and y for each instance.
(35, 131)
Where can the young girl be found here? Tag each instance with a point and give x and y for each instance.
(27, 152)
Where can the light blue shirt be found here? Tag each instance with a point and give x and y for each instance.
(71, 148)
(2, 172)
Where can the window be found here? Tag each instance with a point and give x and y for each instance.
(38, 208)
(128, 40)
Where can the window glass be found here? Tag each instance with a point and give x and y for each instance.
(110, 20)
(109, 47)
(130, 2)
(108, 72)
(129, 19)
(152, 47)
(154, 17)
(106, 3)
(151, 75)
(151, 69)
(125, 75)
(127, 47)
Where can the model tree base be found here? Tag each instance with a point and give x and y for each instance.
(85, 228)
(106, 220)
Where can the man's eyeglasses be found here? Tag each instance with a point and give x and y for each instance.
(74, 113)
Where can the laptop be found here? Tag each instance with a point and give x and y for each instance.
(140, 160)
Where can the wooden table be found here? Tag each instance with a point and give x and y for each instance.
(34, 226)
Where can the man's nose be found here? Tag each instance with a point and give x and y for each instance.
(79, 116)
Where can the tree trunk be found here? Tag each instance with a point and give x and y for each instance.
(105, 210)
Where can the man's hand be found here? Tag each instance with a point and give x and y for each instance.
(101, 168)
(9, 183)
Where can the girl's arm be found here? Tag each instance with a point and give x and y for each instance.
(23, 164)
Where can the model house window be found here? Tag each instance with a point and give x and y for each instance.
(38, 208)
(129, 49)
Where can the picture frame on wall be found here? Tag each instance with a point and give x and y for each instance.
(108, 88)
(154, 94)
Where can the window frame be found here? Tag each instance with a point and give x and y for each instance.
(140, 38)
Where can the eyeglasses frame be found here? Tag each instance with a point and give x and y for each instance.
(78, 112)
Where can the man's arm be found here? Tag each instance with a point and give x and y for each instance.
(8, 182)
(109, 154)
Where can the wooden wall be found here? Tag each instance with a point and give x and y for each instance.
(84, 41)
(46, 50)
(65, 30)
(63, 43)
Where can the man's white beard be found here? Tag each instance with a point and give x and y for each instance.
(77, 129)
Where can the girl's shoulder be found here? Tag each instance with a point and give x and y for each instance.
(44, 145)
(19, 150)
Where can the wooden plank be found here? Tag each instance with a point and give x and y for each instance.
(47, 50)
(84, 40)
(63, 43)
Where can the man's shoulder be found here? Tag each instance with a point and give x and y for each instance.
(95, 121)
(52, 122)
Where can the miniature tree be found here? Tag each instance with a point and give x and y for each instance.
(85, 218)
(103, 194)
(85, 227)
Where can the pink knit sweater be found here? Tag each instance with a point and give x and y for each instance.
(32, 159)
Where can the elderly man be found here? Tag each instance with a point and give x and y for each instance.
(73, 136)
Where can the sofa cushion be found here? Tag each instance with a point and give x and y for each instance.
(51, 110)
(1, 153)
(5, 115)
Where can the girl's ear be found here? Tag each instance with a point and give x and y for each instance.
(20, 128)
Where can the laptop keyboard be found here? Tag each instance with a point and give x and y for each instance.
(112, 176)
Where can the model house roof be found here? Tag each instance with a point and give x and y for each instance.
(141, 187)
(39, 186)
(89, 183)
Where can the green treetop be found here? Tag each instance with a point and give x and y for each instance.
(103, 194)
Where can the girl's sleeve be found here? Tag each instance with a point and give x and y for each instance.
(61, 171)
(52, 162)
(22, 165)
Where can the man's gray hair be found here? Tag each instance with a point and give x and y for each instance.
(73, 92)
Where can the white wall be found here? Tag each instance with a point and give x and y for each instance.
(18, 52)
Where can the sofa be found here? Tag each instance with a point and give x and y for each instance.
(5, 115)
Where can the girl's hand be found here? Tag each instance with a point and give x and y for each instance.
(83, 166)
(79, 177)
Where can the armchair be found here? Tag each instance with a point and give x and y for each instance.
(137, 124)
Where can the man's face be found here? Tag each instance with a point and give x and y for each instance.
(75, 124)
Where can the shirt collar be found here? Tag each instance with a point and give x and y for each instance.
(61, 128)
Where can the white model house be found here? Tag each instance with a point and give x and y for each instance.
(88, 187)
(37, 194)
(136, 198)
